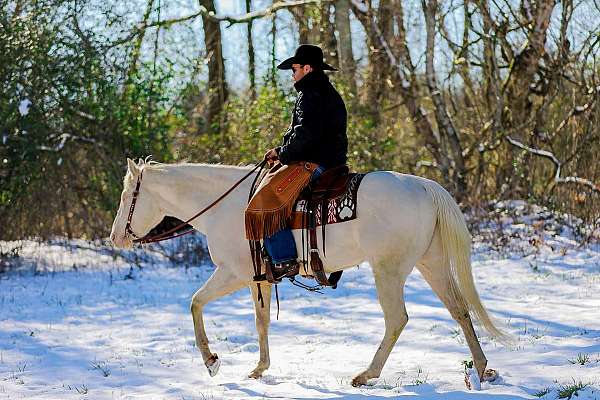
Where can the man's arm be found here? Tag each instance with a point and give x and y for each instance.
(306, 133)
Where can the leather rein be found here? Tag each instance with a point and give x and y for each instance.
(172, 233)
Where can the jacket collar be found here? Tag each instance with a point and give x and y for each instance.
(311, 80)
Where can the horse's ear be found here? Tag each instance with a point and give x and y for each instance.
(131, 166)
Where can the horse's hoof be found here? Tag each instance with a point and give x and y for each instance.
(490, 375)
(360, 380)
(255, 374)
(213, 364)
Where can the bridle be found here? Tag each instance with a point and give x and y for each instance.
(173, 232)
(128, 230)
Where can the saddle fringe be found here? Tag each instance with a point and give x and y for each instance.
(265, 223)
(271, 206)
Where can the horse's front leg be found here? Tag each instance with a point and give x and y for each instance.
(263, 318)
(221, 283)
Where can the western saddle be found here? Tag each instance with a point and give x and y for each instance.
(313, 209)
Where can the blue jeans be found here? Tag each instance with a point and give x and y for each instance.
(282, 246)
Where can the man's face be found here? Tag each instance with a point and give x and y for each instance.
(299, 71)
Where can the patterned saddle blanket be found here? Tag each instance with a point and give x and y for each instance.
(338, 204)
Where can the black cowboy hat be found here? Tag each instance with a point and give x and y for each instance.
(307, 54)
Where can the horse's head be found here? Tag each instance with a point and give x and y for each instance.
(146, 210)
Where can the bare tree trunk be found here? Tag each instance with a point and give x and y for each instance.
(521, 81)
(346, 63)
(151, 104)
(563, 42)
(327, 39)
(378, 73)
(251, 62)
(526, 63)
(273, 76)
(217, 86)
(444, 122)
(302, 21)
(491, 72)
(18, 9)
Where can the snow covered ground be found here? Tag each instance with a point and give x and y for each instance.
(77, 322)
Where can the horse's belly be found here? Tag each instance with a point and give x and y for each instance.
(341, 248)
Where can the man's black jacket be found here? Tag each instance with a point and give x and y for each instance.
(318, 130)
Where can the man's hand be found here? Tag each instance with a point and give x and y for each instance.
(271, 156)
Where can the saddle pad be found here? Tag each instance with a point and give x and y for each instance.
(341, 208)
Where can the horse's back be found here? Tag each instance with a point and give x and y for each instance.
(397, 188)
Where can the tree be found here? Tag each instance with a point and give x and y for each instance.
(251, 62)
(217, 85)
(346, 62)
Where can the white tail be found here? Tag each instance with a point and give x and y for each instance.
(456, 243)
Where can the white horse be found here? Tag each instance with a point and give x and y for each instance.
(402, 221)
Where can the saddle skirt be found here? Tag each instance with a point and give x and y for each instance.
(332, 202)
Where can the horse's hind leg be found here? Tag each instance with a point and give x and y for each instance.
(433, 267)
(389, 281)
(221, 283)
(263, 318)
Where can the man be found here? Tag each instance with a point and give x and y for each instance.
(317, 134)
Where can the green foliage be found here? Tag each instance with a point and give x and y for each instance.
(467, 364)
(62, 161)
(581, 359)
(370, 147)
(569, 390)
(250, 128)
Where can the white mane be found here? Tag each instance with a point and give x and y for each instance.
(182, 169)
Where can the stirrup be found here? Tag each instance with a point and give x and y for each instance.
(286, 270)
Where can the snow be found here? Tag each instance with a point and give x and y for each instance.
(24, 107)
(78, 320)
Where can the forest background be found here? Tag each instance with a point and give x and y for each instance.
(494, 99)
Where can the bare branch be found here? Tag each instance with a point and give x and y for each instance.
(204, 12)
(542, 153)
(245, 18)
(579, 181)
(359, 7)
(499, 30)
(575, 111)
(557, 166)
(63, 138)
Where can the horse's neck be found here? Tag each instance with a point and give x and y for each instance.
(183, 190)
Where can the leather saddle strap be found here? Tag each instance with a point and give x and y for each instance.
(324, 218)
(317, 265)
(315, 261)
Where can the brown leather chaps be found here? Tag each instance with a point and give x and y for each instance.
(271, 206)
